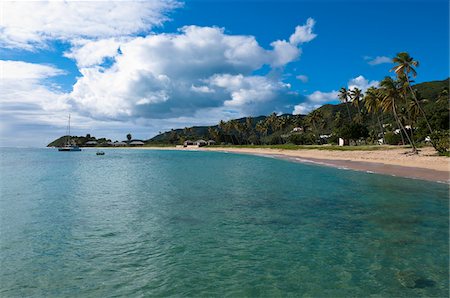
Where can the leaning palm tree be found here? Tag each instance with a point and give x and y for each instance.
(344, 96)
(390, 98)
(404, 66)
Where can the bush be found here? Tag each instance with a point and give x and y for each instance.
(354, 131)
(275, 140)
(301, 139)
(441, 141)
(392, 138)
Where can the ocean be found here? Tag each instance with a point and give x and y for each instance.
(136, 223)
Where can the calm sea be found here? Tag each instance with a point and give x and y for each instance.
(169, 223)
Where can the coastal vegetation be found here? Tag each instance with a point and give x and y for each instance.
(394, 113)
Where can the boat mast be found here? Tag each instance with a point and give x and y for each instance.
(69, 126)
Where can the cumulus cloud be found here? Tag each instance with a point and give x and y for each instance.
(315, 100)
(322, 97)
(175, 75)
(28, 25)
(288, 51)
(11, 70)
(21, 83)
(378, 60)
(362, 83)
(25, 101)
(128, 75)
(303, 33)
(304, 108)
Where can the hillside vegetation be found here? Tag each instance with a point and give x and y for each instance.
(356, 122)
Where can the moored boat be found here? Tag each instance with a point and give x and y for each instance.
(70, 145)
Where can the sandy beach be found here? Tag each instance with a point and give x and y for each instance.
(427, 165)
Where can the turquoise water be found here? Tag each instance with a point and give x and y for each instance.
(167, 223)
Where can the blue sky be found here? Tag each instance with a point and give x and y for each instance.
(160, 64)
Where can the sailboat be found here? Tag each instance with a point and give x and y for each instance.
(70, 145)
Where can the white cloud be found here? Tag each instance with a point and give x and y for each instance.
(31, 24)
(18, 70)
(302, 78)
(198, 75)
(284, 52)
(303, 33)
(304, 108)
(322, 97)
(314, 101)
(318, 98)
(202, 89)
(173, 75)
(248, 90)
(90, 53)
(378, 60)
(288, 51)
(362, 83)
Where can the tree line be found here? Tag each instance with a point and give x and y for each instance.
(394, 112)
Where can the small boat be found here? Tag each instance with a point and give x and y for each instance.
(70, 145)
(100, 153)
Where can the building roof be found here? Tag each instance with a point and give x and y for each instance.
(91, 143)
(120, 144)
(137, 143)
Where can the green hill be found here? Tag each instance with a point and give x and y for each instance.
(80, 141)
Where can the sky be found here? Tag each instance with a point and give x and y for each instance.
(143, 67)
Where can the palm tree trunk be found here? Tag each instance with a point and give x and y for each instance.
(404, 130)
(420, 108)
(348, 111)
(381, 127)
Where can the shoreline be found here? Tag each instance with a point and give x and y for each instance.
(424, 166)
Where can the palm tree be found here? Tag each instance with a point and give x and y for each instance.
(443, 97)
(405, 65)
(372, 103)
(129, 137)
(214, 134)
(225, 128)
(262, 128)
(272, 122)
(344, 96)
(316, 118)
(337, 119)
(356, 96)
(390, 97)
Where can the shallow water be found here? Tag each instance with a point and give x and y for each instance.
(161, 223)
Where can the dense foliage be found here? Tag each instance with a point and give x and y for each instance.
(361, 118)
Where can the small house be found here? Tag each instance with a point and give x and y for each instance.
(211, 142)
(343, 142)
(91, 143)
(137, 143)
(297, 129)
(200, 143)
(120, 144)
(188, 143)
